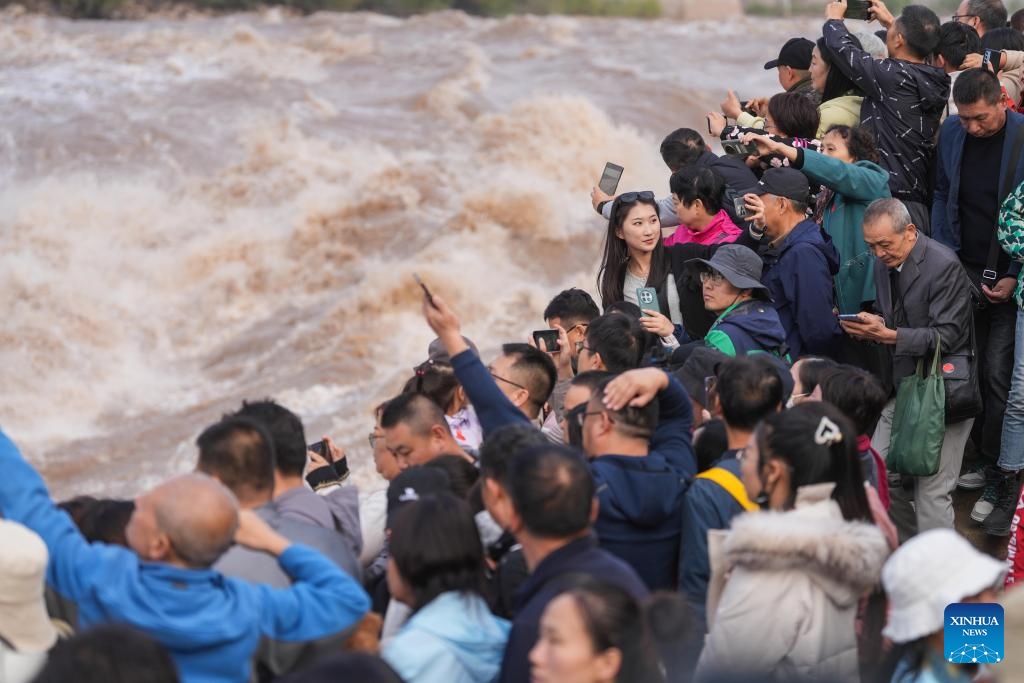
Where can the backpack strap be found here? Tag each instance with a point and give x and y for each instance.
(731, 483)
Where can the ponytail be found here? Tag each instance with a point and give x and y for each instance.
(818, 444)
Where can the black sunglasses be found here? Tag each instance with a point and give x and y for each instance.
(630, 197)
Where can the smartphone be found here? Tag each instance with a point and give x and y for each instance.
(850, 318)
(739, 206)
(320, 448)
(610, 178)
(426, 292)
(858, 9)
(990, 60)
(735, 148)
(550, 338)
(708, 119)
(647, 298)
(745, 106)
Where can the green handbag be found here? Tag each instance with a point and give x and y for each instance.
(919, 422)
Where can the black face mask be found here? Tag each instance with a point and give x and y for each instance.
(572, 423)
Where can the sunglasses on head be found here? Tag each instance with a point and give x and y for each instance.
(630, 197)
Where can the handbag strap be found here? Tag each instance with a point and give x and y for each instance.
(989, 275)
(937, 356)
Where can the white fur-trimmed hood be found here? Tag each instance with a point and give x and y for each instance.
(845, 558)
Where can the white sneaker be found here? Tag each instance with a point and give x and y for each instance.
(972, 480)
(982, 509)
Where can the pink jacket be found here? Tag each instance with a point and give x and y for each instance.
(721, 229)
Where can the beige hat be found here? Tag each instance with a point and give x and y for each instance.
(23, 619)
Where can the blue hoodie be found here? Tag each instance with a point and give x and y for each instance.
(453, 639)
(640, 498)
(748, 327)
(798, 272)
(209, 623)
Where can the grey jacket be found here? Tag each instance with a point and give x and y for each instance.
(275, 657)
(334, 507)
(933, 297)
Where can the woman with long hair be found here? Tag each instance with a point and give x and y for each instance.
(799, 569)
(594, 632)
(634, 258)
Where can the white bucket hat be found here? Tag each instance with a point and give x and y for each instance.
(23, 619)
(926, 574)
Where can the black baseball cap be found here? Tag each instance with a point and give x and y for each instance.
(702, 363)
(783, 182)
(796, 53)
(413, 484)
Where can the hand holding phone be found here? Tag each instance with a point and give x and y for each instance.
(647, 297)
(550, 339)
(857, 9)
(991, 60)
(426, 292)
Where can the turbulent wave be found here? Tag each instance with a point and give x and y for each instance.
(194, 212)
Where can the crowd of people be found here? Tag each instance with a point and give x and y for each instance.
(737, 462)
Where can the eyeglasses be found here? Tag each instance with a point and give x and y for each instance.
(373, 438)
(630, 197)
(958, 17)
(582, 415)
(507, 381)
(712, 278)
(580, 345)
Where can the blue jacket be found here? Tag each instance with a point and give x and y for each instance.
(798, 273)
(640, 498)
(554, 573)
(707, 506)
(946, 226)
(210, 624)
(453, 639)
(749, 327)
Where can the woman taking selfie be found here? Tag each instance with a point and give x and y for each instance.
(634, 258)
(746, 322)
(594, 632)
(799, 569)
(436, 568)
(847, 167)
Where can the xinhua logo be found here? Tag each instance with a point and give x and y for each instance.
(974, 633)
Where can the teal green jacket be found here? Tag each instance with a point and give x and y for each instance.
(1011, 233)
(855, 187)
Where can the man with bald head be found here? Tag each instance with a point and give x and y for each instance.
(210, 624)
(416, 432)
